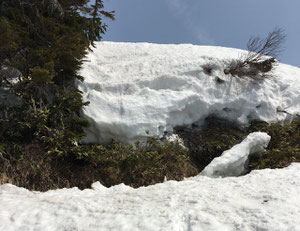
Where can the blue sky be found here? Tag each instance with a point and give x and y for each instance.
(228, 23)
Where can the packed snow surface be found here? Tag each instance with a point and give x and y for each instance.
(234, 161)
(139, 87)
(263, 200)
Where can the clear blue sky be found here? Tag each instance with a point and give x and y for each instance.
(228, 23)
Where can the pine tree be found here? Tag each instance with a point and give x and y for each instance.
(45, 41)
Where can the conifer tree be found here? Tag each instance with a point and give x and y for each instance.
(44, 41)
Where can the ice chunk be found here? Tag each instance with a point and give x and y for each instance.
(233, 161)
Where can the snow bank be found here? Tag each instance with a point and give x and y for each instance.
(233, 162)
(263, 200)
(138, 87)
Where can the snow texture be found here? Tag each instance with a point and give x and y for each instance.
(138, 87)
(234, 161)
(262, 200)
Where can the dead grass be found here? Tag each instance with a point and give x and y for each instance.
(37, 170)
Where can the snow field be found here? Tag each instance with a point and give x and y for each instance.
(262, 200)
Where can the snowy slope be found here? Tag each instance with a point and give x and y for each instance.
(263, 200)
(138, 87)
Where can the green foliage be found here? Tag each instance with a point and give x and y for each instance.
(284, 147)
(40, 75)
(144, 165)
(218, 136)
(8, 38)
(44, 167)
(46, 42)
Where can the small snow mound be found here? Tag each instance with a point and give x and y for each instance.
(233, 161)
(97, 186)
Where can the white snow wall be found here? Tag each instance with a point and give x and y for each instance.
(138, 87)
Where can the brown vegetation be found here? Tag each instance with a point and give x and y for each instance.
(36, 169)
(32, 167)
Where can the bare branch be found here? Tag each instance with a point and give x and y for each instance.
(261, 55)
(259, 48)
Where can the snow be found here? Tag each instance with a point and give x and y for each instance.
(262, 200)
(139, 87)
(171, 137)
(234, 161)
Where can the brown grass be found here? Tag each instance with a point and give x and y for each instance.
(35, 169)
